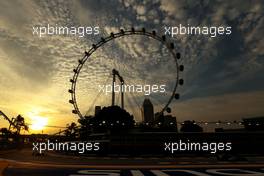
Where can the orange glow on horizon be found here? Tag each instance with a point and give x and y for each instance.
(37, 122)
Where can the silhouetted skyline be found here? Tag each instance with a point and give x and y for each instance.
(223, 75)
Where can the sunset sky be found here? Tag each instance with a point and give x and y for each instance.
(223, 75)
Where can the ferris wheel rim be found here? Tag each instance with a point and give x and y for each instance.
(113, 36)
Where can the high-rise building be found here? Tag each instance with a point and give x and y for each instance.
(147, 111)
(97, 109)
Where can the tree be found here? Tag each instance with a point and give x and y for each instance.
(19, 124)
(71, 131)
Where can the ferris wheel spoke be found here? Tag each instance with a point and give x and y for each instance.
(142, 32)
(96, 98)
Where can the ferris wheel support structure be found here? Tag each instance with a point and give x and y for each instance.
(113, 36)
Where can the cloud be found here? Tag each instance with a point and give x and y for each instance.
(219, 67)
(226, 107)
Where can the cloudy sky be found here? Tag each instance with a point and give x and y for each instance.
(223, 75)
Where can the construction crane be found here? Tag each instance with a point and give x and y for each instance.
(11, 122)
(16, 123)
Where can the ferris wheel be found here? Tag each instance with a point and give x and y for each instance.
(115, 36)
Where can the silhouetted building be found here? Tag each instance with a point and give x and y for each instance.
(166, 121)
(112, 117)
(169, 120)
(254, 123)
(97, 109)
(190, 126)
(147, 111)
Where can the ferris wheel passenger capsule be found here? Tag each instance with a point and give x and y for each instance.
(178, 55)
(181, 81)
(74, 111)
(168, 110)
(177, 96)
(181, 67)
(172, 45)
(164, 38)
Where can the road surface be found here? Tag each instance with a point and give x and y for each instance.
(22, 163)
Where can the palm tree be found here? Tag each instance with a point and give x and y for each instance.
(71, 131)
(19, 124)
